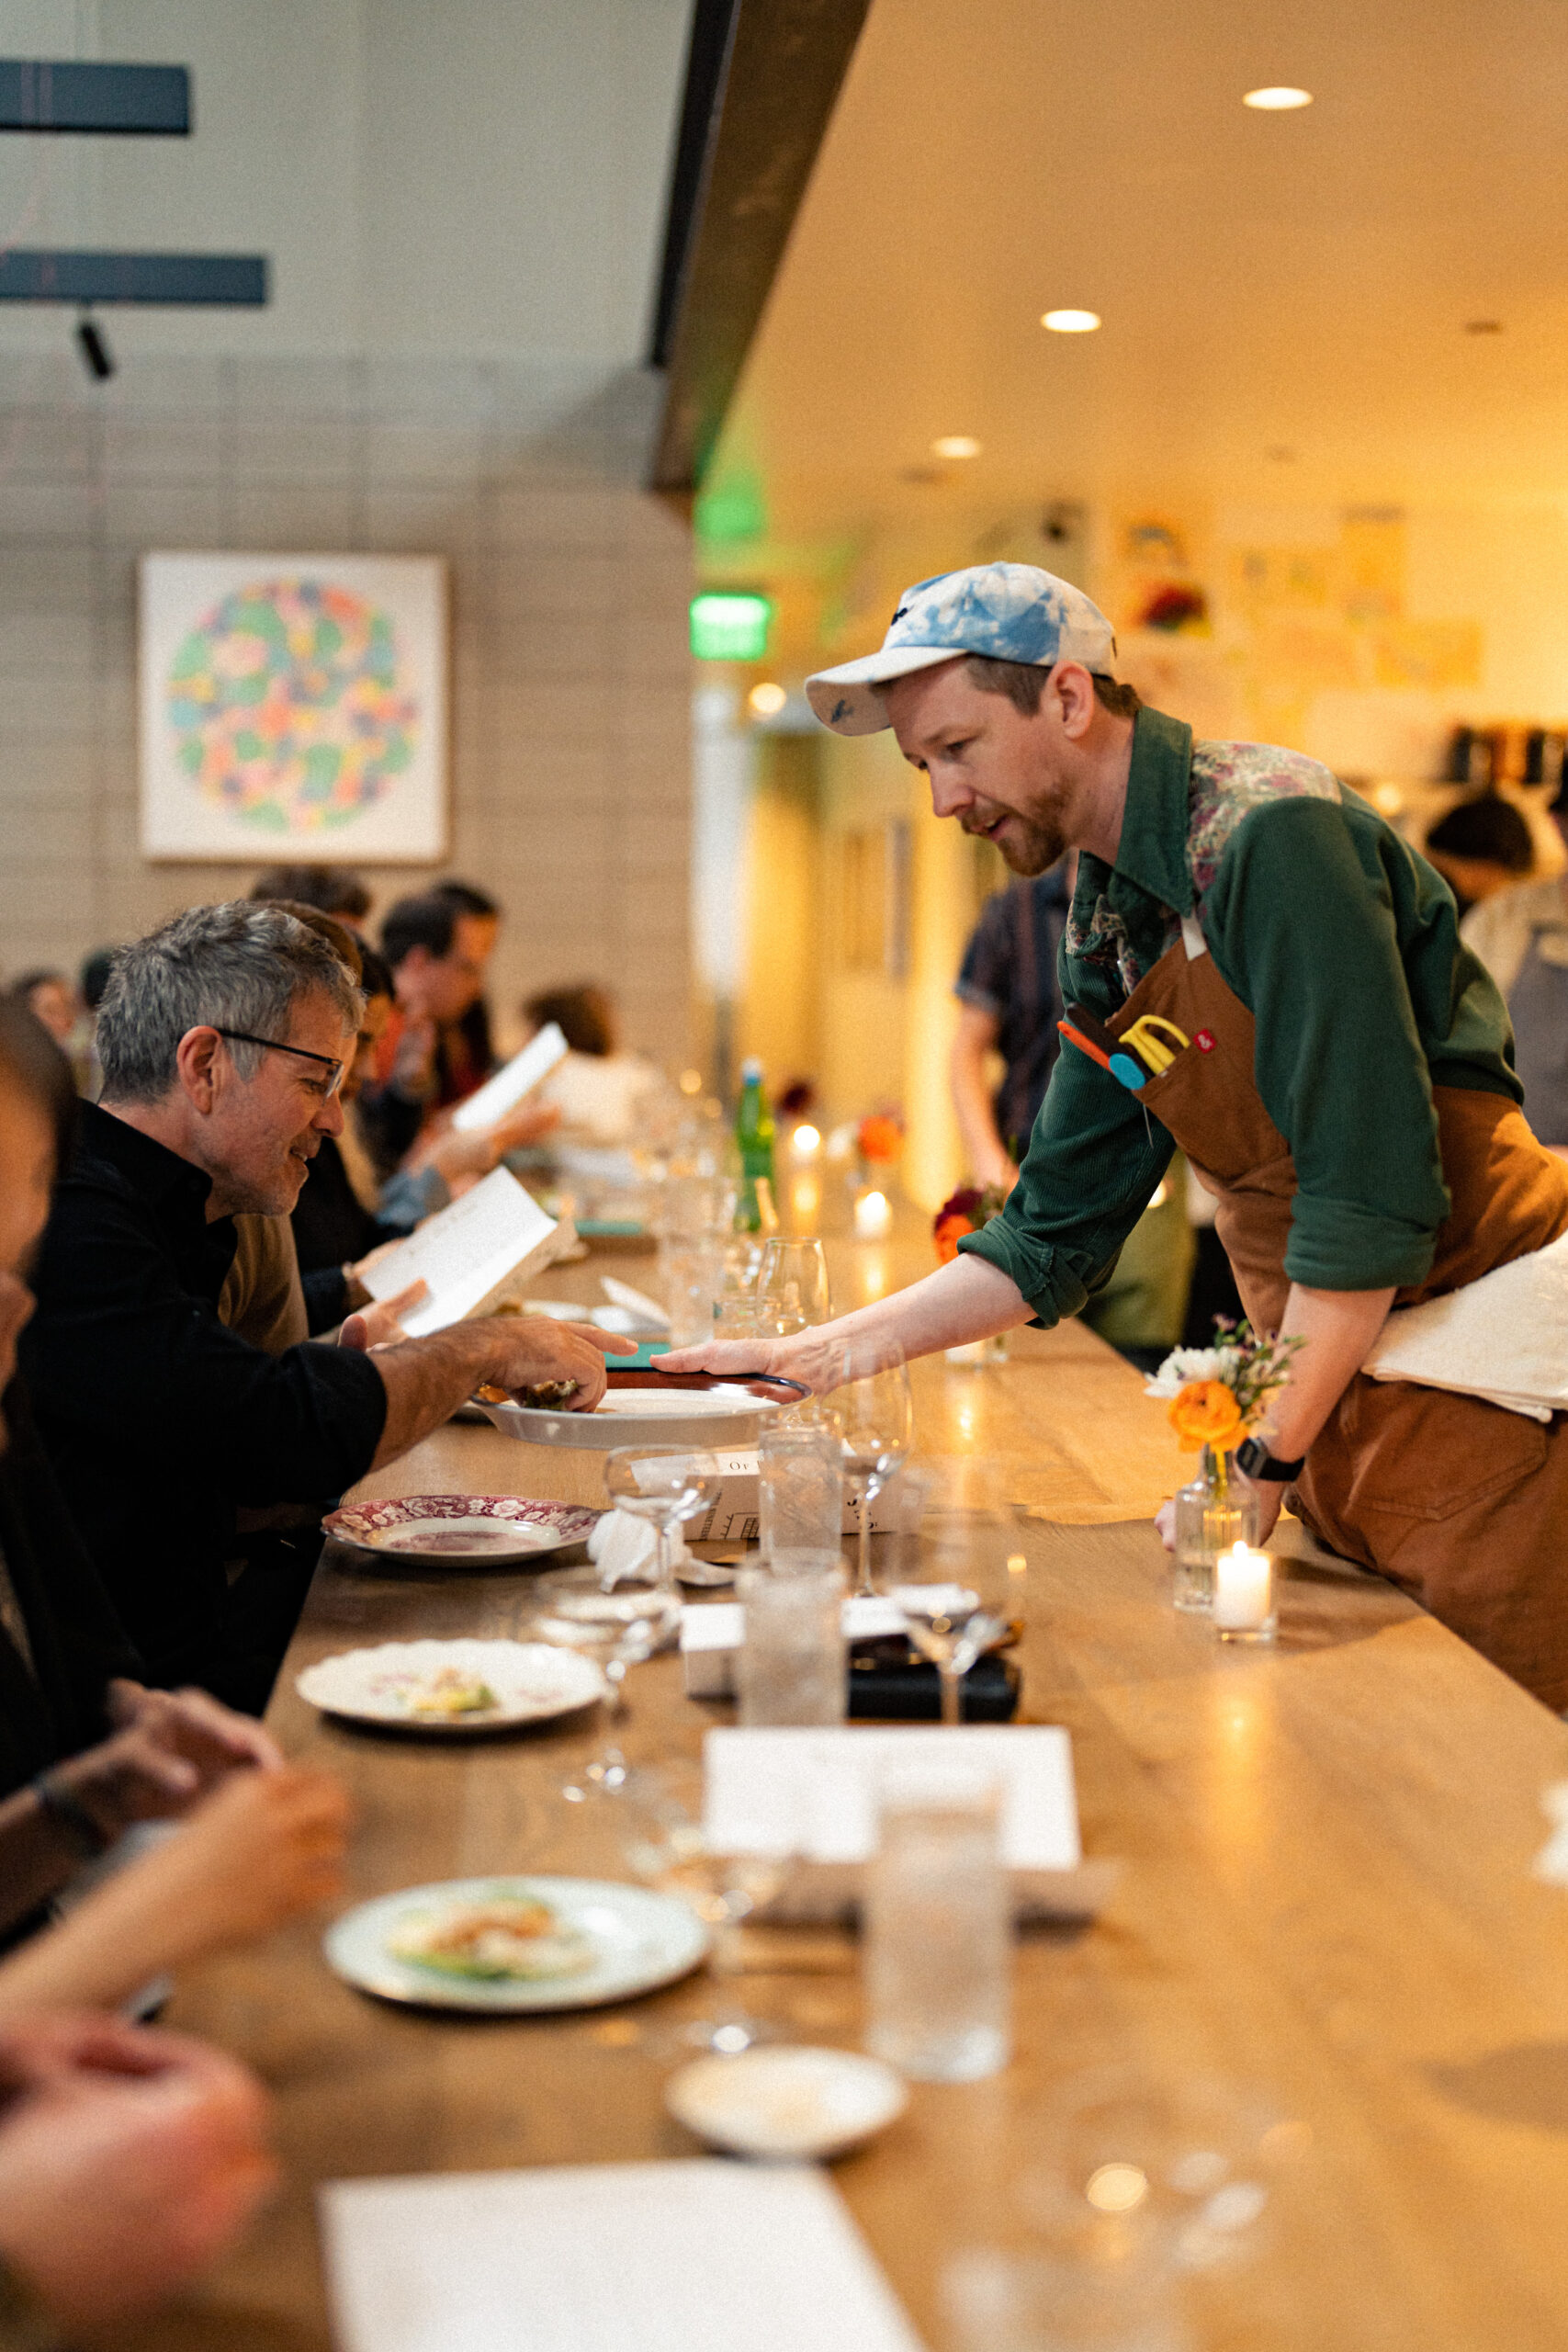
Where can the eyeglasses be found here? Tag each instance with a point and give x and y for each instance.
(274, 1045)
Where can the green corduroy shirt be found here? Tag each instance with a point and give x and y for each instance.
(1344, 945)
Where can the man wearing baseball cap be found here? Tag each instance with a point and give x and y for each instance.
(1265, 974)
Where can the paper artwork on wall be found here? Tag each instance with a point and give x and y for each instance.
(293, 706)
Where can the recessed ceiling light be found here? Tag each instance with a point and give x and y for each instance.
(956, 444)
(1071, 322)
(767, 699)
(1280, 99)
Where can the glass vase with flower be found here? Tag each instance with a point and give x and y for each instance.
(1215, 1398)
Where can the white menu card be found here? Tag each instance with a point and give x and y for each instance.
(814, 1793)
(702, 2256)
(480, 1249)
(490, 1104)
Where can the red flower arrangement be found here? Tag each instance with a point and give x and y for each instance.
(963, 1212)
(879, 1138)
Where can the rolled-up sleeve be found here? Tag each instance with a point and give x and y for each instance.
(1304, 932)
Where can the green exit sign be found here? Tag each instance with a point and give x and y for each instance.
(729, 625)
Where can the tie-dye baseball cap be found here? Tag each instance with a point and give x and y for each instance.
(1014, 612)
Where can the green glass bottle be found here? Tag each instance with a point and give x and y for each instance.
(754, 1135)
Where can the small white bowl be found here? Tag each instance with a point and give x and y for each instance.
(783, 2100)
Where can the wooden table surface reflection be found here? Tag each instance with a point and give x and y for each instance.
(1325, 1897)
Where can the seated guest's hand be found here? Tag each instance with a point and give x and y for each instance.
(129, 2159)
(379, 1325)
(172, 1747)
(534, 1351)
(458, 1155)
(260, 1849)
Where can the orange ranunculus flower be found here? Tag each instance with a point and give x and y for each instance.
(881, 1139)
(1206, 1413)
(950, 1231)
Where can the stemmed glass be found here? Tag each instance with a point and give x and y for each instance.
(665, 1485)
(618, 1626)
(872, 1407)
(792, 1288)
(666, 1846)
(960, 1583)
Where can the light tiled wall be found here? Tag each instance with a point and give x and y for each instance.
(570, 677)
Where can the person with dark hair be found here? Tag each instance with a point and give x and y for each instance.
(1521, 935)
(436, 953)
(94, 977)
(584, 1015)
(1481, 846)
(597, 1091)
(330, 889)
(224, 1039)
(50, 998)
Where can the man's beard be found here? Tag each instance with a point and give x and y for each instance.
(1029, 844)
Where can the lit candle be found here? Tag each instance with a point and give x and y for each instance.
(806, 1142)
(1244, 1594)
(874, 1216)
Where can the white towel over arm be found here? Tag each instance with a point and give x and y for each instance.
(1504, 1337)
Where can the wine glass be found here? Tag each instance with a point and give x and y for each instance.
(959, 1584)
(617, 1627)
(875, 1413)
(666, 1845)
(792, 1288)
(665, 1485)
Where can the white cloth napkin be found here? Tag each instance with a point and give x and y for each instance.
(625, 1546)
(1504, 1337)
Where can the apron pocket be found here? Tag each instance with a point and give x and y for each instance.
(1425, 1453)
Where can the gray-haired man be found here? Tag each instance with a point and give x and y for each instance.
(223, 1038)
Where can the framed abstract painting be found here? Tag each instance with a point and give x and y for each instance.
(294, 707)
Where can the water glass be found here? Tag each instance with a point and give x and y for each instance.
(800, 1491)
(691, 1272)
(791, 1289)
(794, 1664)
(874, 1408)
(666, 1486)
(938, 1928)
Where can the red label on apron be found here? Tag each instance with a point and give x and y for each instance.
(1204, 1041)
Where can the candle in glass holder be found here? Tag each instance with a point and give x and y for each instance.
(1243, 1595)
(874, 1216)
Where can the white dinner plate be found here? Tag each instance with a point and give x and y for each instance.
(639, 1940)
(786, 2101)
(457, 1531)
(397, 1682)
(727, 1414)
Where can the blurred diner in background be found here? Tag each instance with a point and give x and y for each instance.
(783, 1081)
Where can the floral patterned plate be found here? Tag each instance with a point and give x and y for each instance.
(459, 1530)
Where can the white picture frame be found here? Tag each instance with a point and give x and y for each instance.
(341, 663)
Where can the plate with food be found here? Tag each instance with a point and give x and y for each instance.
(643, 1407)
(452, 1687)
(497, 1944)
(461, 1530)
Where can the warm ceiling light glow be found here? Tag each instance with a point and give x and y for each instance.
(807, 1141)
(956, 444)
(1279, 100)
(1071, 322)
(767, 699)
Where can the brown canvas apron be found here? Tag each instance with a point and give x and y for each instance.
(1462, 1503)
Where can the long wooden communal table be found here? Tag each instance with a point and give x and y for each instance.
(1325, 1896)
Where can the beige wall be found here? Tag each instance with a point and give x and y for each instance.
(571, 760)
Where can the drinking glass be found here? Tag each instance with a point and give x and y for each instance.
(666, 1846)
(938, 1928)
(617, 1628)
(665, 1485)
(793, 1663)
(876, 1414)
(800, 1491)
(791, 1289)
(959, 1584)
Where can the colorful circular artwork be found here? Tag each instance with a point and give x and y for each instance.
(287, 707)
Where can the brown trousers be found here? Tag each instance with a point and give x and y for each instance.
(1462, 1503)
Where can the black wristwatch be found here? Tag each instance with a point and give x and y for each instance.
(1254, 1459)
